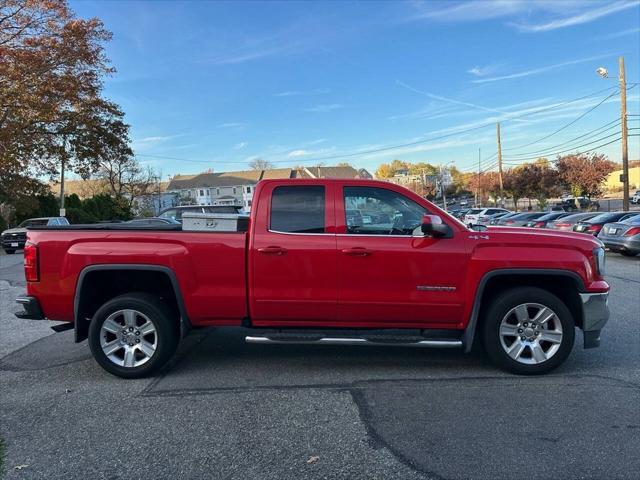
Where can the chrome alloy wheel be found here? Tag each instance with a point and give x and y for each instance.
(531, 333)
(128, 338)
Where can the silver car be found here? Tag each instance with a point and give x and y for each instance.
(519, 220)
(566, 223)
(623, 237)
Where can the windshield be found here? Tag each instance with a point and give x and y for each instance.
(35, 222)
(635, 220)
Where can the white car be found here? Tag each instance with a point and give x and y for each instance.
(481, 216)
(636, 197)
(464, 202)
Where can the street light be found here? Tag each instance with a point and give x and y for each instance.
(623, 117)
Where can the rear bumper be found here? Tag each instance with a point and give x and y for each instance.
(32, 310)
(629, 244)
(595, 314)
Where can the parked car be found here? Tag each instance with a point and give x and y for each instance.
(623, 236)
(572, 204)
(301, 274)
(497, 218)
(593, 225)
(482, 216)
(635, 199)
(566, 223)
(464, 202)
(175, 213)
(151, 221)
(459, 213)
(14, 238)
(520, 219)
(543, 221)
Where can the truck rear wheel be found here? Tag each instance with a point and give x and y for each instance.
(133, 335)
(528, 331)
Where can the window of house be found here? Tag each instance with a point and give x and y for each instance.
(234, 190)
(208, 192)
(248, 189)
(201, 193)
(298, 209)
(378, 211)
(248, 203)
(217, 191)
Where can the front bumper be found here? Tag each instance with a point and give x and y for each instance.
(32, 310)
(595, 314)
(11, 244)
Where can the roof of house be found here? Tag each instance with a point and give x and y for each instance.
(251, 177)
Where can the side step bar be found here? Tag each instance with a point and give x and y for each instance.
(430, 343)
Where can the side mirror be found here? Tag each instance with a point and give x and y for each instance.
(432, 225)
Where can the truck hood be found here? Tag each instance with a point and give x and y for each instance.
(14, 230)
(536, 236)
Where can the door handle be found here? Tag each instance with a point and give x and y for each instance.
(273, 250)
(357, 252)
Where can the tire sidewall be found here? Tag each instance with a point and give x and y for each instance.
(502, 305)
(165, 330)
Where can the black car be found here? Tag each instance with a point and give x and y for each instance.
(593, 225)
(541, 222)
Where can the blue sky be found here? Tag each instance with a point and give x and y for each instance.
(217, 84)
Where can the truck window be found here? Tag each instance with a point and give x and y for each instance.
(378, 211)
(298, 209)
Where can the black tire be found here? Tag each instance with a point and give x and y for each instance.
(502, 305)
(627, 253)
(166, 329)
(9, 251)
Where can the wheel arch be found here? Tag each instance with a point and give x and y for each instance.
(137, 279)
(565, 284)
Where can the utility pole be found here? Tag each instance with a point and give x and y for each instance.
(625, 151)
(478, 180)
(444, 197)
(500, 166)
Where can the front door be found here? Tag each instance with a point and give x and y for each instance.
(293, 266)
(389, 277)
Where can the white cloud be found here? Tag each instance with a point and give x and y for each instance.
(577, 19)
(536, 71)
(527, 15)
(149, 142)
(231, 125)
(298, 153)
(324, 108)
(621, 33)
(479, 71)
(240, 145)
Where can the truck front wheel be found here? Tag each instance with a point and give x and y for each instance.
(528, 331)
(133, 335)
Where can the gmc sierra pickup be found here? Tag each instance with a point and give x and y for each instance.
(348, 262)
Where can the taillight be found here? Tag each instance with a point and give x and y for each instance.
(509, 222)
(483, 219)
(31, 271)
(632, 231)
(594, 228)
(563, 225)
(539, 224)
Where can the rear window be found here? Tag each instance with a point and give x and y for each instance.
(298, 209)
(635, 220)
(474, 211)
(605, 217)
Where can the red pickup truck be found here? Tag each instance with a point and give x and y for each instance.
(348, 262)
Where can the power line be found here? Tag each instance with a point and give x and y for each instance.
(523, 161)
(576, 148)
(392, 147)
(603, 128)
(566, 125)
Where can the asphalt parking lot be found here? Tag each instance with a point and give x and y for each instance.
(225, 409)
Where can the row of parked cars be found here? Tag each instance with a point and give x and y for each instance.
(619, 231)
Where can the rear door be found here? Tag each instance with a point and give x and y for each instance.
(293, 265)
(387, 276)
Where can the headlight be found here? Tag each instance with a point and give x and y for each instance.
(598, 256)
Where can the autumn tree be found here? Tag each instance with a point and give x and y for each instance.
(584, 173)
(52, 115)
(260, 164)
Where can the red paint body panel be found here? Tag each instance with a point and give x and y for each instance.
(403, 281)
